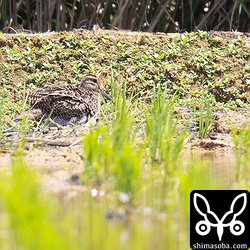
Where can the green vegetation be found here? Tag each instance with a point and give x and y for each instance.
(163, 140)
(27, 219)
(188, 66)
(137, 182)
(137, 175)
(205, 116)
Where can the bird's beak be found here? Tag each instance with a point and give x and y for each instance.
(105, 95)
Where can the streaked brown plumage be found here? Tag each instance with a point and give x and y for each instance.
(70, 103)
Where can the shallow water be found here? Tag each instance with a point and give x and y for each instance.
(160, 220)
(100, 217)
(223, 166)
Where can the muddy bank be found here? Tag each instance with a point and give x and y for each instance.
(60, 166)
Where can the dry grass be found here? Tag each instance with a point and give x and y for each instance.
(143, 15)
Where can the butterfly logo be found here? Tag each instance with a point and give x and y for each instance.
(203, 227)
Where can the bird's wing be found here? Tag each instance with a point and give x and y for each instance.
(38, 96)
(51, 95)
(67, 107)
(65, 102)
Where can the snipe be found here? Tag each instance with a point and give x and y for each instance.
(70, 104)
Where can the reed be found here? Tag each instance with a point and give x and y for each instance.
(165, 139)
(205, 116)
(110, 151)
(151, 16)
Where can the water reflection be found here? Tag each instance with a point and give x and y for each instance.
(159, 216)
(223, 166)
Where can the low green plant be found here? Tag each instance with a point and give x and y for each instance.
(165, 139)
(206, 119)
(28, 215)
(241, 138)
(97, 155)
(242, 155)
(110, 151)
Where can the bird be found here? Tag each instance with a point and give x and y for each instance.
(70, 105)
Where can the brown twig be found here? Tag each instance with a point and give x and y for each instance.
(52, 142)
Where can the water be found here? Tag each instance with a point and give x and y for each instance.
(159, 216)
(222, 164)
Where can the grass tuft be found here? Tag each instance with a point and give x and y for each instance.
(29, 218)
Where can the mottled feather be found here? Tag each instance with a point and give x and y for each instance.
(68, 102)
